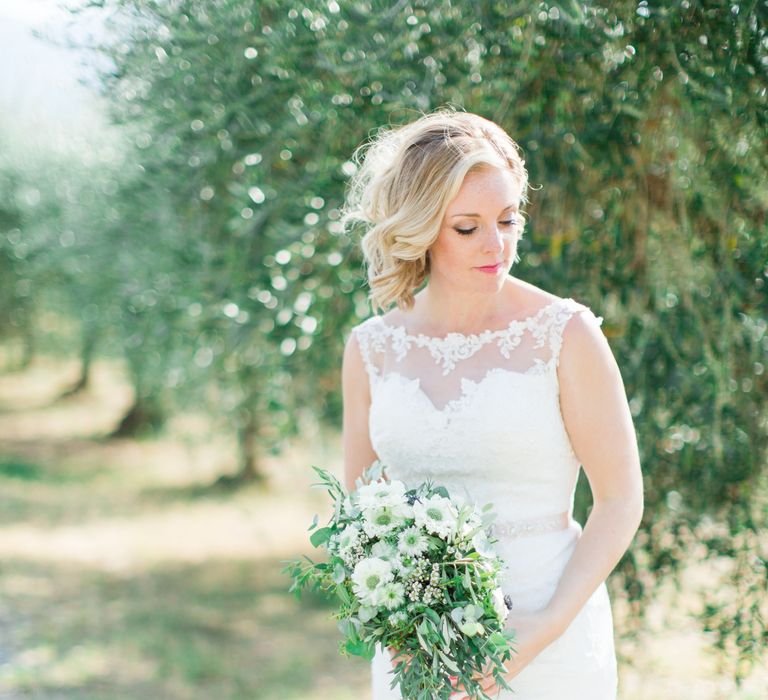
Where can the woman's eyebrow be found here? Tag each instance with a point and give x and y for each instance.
(511, 206)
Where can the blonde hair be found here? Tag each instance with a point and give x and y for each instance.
(406, 177)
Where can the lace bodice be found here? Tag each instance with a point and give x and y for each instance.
(479, 413)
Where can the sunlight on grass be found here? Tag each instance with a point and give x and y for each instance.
(126, 576)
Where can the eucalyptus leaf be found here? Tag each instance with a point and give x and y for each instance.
(339, 574)
(367, 613)
(449, 663)
(343, 594)
(321, 536)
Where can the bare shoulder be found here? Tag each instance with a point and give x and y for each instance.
(527, 299)
(352, 359)
(585, 352)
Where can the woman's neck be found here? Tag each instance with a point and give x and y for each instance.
(445, 311)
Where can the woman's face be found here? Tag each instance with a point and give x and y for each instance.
(477, 243)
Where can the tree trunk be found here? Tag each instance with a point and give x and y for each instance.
(86, 356)
(28, 348)
(143, 417)
(248, 447)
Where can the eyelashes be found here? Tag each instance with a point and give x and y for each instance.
(467, 231)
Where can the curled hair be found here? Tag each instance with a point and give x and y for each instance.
(405, 179)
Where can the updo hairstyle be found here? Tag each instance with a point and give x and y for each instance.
(405, 179)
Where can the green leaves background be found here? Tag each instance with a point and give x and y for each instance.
(206, 249)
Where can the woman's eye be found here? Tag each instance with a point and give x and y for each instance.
(511, 222)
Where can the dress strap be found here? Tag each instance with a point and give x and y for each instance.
(563, 313)
(370, 340)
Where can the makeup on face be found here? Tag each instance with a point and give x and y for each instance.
(491, 269)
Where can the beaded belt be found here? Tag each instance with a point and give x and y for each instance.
(534, 526)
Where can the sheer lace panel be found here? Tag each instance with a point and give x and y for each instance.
(447, 369)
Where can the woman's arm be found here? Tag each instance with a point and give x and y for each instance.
(356, 397)
(597, 418)
(598, 421)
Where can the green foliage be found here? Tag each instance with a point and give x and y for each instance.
(208, 250)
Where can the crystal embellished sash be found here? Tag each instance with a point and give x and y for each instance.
(509, 529)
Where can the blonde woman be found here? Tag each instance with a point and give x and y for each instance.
(492, 386)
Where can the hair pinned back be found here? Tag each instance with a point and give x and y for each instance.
(406, 178)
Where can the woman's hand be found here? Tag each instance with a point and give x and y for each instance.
(533, 632)
(403, 657)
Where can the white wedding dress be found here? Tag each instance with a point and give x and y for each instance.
(480, 414)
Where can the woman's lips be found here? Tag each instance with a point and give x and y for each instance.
(490, 268)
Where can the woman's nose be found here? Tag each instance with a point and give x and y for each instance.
(494, 240)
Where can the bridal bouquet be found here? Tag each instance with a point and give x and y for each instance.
(413, 570)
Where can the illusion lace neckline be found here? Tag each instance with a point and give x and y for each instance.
(403, 332)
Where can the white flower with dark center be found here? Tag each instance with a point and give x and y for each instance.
(412, 541)
(369, 578)
(436, 515)
(385, 550)
(380, 493)
(392, 595)
(380, 521)
(348, 537)
(403, 567)
(403, 510)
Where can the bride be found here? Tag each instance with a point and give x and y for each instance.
(493, 387)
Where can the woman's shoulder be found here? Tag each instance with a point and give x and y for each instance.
(376, 323)
(535, 302)
(369, 325)
(527, 300)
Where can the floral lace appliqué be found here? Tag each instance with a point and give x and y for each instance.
(545, 326)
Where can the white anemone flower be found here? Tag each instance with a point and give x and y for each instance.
(384, 550)
(403, 510)
(392, 595)
(349, 536)
(388, 552)
(436, 515)
(380, 493)
(380, 521)
(412, 541)
(369, 577)
(403, 567)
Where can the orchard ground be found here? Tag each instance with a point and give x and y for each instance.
(124, 575)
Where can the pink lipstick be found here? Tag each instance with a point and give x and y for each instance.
(490, 269)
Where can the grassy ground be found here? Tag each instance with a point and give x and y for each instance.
(122, 577)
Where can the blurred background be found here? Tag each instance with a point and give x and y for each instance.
(176, 290)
